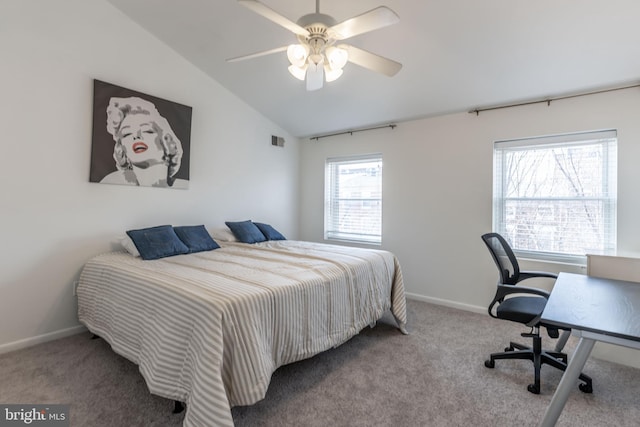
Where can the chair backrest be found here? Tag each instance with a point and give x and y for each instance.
(504, 258)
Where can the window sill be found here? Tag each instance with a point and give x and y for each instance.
(549, 258)
(352, 242)
(571, 263)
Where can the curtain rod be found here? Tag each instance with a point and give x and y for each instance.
(549, 100)
(351, 132)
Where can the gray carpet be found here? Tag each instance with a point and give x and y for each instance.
(433, 377)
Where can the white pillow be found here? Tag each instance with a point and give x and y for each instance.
(128, 244)
(222, 235)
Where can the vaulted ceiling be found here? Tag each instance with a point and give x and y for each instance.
(457, 55)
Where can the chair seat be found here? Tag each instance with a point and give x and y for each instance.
(521, 309)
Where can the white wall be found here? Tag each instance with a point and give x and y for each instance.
(52, 218)
(437, 187)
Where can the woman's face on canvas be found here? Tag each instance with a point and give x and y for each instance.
(141, 141)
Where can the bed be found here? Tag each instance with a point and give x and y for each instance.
(210, 328)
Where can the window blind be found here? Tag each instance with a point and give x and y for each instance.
(555, 196)
(353, 199)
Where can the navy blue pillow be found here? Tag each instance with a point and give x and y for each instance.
(246, 231)
(269, 232)
(196, 237)
(157, 242)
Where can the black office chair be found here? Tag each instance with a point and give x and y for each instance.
(525, 308)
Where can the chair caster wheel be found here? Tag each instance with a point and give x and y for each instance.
(586, 388)
(533, 389)
(490, 363)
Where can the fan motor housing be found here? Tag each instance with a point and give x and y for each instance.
(316, 20)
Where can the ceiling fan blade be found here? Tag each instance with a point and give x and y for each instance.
(258, 54)
(274, 16)
(372, 61)
(372, 20)
(315, 76)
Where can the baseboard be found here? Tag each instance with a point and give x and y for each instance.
(617, 354)
(39, 339)
(448, 303)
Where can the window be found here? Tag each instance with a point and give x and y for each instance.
(353, 199)
(555, 196)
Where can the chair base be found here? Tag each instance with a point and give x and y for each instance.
(538, 357)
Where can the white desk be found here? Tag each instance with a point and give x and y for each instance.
(595, 309)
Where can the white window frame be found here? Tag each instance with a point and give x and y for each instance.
(332, 207)
(608, 197)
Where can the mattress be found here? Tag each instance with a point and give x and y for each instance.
(210, 328)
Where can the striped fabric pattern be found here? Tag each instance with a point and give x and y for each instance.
(210, 328)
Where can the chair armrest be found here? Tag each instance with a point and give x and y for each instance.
(504, 290)
(531, 274)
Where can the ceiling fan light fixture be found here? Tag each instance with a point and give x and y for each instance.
(297, 54)
(331, 74)
(316, 59)
(298, 72)
(336, 57)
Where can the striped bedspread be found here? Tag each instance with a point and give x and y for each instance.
(210, 328)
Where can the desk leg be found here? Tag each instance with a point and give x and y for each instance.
(562, 341)
(568, 381)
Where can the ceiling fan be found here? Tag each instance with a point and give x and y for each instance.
(317, 56)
